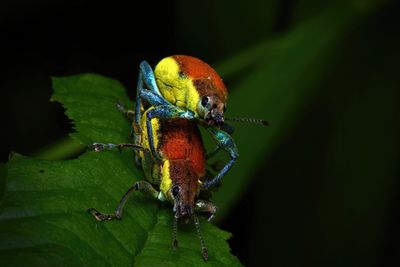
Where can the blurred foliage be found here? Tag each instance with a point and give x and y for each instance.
(276, 76)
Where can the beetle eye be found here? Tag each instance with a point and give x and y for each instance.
(204, 101)
(175, 191)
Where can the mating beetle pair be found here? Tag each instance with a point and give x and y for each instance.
(181, 93)
(184, 87)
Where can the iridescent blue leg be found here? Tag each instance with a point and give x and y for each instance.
(146, 82)
(228, 129)
(164, 112)
(154, 99)
(146, 77)
(225, 141)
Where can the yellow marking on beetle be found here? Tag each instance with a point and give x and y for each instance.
(152, 173)
(145, 137)
(166, 181)
(178, 90)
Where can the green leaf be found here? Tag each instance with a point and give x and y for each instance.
(43, 218)
(90, 103)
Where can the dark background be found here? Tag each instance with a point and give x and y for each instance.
(325, 207)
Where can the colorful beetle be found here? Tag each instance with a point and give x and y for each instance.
(177, 172)
(184, 87)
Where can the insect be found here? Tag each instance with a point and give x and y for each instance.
(175, 176)
(182, 93)
(184, 87)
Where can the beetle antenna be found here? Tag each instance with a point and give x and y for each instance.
(251, 120)
(204, 250)
(175, 233)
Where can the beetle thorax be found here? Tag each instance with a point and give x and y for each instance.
(184, 188)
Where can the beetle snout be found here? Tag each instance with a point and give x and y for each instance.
(187, 210)
(217, 116)
(184, 211)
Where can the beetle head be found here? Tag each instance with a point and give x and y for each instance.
(211, 91)
(211, 109)
(183, 201)
(184, 190)
(184, 209)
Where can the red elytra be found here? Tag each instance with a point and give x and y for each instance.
(197, 69)
(181, 140)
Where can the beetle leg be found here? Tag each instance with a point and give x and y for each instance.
(226, 142)
(226, 128)
(220, 175)
(146, 82)
(162, 109)
(164, 112)
(142, 186)
(206, 206)
(98, 147)
(127, 112)
(146, 77)
(154, 99)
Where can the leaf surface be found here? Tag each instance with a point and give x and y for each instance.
(43, 218)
